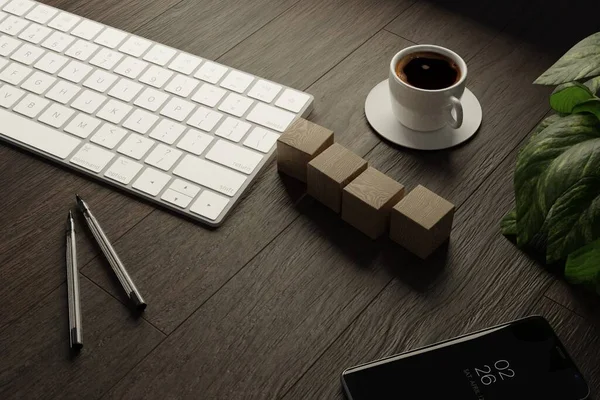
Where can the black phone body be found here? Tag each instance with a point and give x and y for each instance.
(523, 359)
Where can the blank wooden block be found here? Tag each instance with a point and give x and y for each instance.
(368, 200)
(299, 144)
(421, 221)
(330, 171)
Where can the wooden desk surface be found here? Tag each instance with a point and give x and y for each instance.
(284, 296)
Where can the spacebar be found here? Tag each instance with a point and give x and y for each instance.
(36, 135)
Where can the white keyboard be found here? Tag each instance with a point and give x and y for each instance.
(178, 130)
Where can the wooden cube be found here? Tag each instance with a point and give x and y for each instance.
(421, 221)
(299, 144)
(368, 200)
(330, 171)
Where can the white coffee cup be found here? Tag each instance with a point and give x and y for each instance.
(422, 109)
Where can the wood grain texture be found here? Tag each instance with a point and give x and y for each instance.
(330, 171)
(421, 221)
(578, 299)
(368, 200)
(299, 144)
(36, 362)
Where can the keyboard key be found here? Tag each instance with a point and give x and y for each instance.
(136, 146)
(182, 85)
(185, 63)
(15, 74)
(92, 157)
(82, 125)
(211, 72)
(261, 139)
(176, 198)
(64, 21)
(3, 63)
(114, 111)
(27, 54)
(87, 29)
(167, 131)
(63, 92)
(110, 38)
(123, 170)
(109, 136)
(13, 25)
(264, 90)
(205, 119)
(88, 101)
(209, 205)
(160, 55)
(9, 96)
(36, 135)
(270, 117)
(31, 105)
(100, 81)
(233, 156)
(106, 59)
(163, 157)
(156, 76)
(75, 71)
(135, 46)
(58, 42)
(237, 81)
(131, 67)
(125, 90)
(233, 129)
(8, 45)
(19, 7)
(82, 50)
(151, 99)
(41, 14)
(35, 33)
(209, 95)
(51, 63)
(195, 142)
(56, 115)
(2, 14)
(209, 174)
(177, 109)
(151, 181)
(140, 121)
(292, 100)
(235, 104)
(38, 82)
(184, 188)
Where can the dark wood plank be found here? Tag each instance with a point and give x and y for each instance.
(36, 362)
(580, 300)
(36, 197)
(483, 281)
(199, 264)
(211, 28)
(312, 37)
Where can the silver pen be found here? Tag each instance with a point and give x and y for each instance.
(111, 256)
(75, 329)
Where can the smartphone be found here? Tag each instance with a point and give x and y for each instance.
(523, 359)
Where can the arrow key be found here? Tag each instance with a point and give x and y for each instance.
(209, 205)
(176, 198)
(185, 188)
(151, 181)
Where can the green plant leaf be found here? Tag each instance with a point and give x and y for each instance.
(568, 95)
(583, 265)
(508, 225)
(591, 106)
(533, 162)
(581, 61)
(593, 84)
(570, 196)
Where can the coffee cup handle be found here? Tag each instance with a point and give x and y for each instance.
(457, 107)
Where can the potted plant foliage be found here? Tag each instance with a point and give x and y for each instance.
(557, 174)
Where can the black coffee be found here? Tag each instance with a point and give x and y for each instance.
(428, 70)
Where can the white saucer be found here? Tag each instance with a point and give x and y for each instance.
(378, 110)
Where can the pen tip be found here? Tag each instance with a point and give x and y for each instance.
(78, 198)
(70, 215)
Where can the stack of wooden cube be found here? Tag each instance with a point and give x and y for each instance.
(367, 199)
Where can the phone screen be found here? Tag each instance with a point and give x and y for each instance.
(520, 360)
